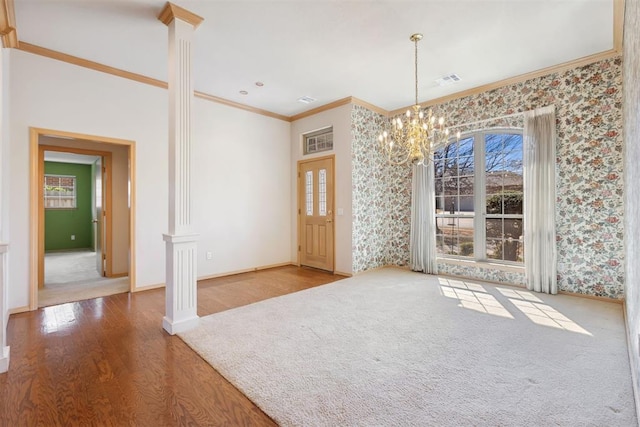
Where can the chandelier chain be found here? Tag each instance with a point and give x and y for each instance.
(416, 67)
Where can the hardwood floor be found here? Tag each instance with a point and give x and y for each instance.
(108, 362)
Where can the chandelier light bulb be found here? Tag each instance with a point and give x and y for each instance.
(408, 113)
(441, 121)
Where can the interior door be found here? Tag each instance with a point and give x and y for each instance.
(99, 210)
(315, 211)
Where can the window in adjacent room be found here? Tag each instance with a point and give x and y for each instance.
(479, 197)
(321, 140)
(59, 192)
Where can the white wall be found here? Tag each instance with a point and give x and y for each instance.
(242, 230)
(340, 119)
(241, 189)
(632, 181)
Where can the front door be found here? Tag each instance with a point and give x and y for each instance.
(315, 212)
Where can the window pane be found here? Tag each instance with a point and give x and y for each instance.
(450, 186)
(450, 167)
(439, 188)
(439, 204)
(494, 228)
(513, 228)
(511, 249)
(309, 192)
(466, 205)
(450, 205)
(451, 150)
(494, 248)
(493, 143)
(465, 166)
(465, 147)
(466, 246)
(322, 192)
(465, 185)
(494, 204)
(440, 244)
(512, 203)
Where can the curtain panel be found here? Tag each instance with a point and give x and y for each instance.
(422, 238)
(539, 137)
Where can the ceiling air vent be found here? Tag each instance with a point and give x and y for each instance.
(448, 80)
(307, 100)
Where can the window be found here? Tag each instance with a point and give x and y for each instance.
(317, 141)
(59, 192)
(479, 194)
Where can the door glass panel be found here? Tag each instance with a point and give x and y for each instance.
(309, 192)
(322, 192)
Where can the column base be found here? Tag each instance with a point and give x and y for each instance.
(175, 327)
(4, 359)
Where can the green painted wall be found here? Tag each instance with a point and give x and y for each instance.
(60, 224)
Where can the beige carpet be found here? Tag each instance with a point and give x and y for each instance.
(72, 276)
(391, 347)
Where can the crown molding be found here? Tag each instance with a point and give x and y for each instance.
(8, 30)
(96, 66)
(234, 104)
(172, 11)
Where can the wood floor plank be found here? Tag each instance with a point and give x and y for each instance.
(108, 362)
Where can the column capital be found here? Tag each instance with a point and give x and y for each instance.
(172, 11)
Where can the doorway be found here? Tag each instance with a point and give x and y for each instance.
(315, 213)
(81, 186)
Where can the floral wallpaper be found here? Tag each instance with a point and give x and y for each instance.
(589, 212)
(370, 196)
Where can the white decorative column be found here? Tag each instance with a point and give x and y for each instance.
(181, 241)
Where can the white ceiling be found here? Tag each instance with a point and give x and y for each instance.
(327, 49)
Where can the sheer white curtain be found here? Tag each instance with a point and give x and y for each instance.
(422, 239)
(540, 196)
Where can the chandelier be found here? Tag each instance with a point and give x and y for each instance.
(413, 136)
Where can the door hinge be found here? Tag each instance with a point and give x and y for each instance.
(299, 211)
(104, 256)
(299, 248)
(104, 213)
(104, 169)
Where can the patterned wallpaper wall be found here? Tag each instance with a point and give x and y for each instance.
(589, 208)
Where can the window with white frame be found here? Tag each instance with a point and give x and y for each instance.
(479, 197)
(59, 192)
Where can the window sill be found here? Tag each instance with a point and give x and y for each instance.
(482, 264)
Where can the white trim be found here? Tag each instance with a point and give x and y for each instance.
(175, 327)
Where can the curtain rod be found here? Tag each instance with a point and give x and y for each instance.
(488, 120)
